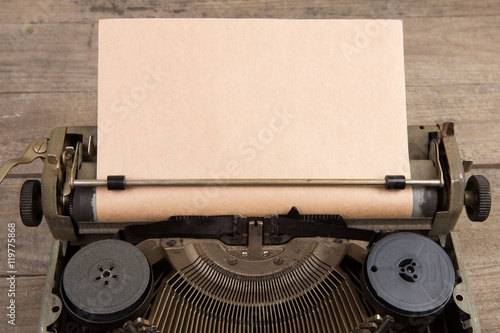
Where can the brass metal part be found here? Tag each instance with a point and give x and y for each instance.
(356, 252)
(186, 251)
(375, 319)
(72, 161)
(140, 325)
(418, 141)
(373, 324)
(51, 303)
(434, 156)
(468, 198)
(305, 291)
(52, 159)
(467, 164)
(54, 176)
(92, 146)
(67, 156)
(60, 225)
(448, 129)
(37, 149)
(255, 250)
(462, 294)
(369, 325)
(445, 220)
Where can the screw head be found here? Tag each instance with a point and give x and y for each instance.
(171, 243)
(278, 260)
(232, 261)
(338, 241)
(265, 253)
(40, 148)
(244, 254)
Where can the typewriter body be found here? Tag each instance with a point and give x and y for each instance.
(275, 273)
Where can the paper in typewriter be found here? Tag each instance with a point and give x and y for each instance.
(251, 98)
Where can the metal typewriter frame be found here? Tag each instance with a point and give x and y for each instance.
(69, 146)
(70, 158)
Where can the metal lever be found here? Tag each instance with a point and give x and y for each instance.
(37, 149)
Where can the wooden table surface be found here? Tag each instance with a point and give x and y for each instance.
(48, 78)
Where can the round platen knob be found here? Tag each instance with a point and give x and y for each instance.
(30, 203)
(477, 198)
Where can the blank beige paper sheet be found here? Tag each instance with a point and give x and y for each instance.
(251, 98)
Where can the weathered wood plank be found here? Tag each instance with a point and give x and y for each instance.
(451, 36)
(63, 57)
(451, 51)
(63, 11)
(483, 268)
(26, 117)
(473, 108)
(55, 57)
(32, 244)
(466, 92)
(48, 78)
(28, 298)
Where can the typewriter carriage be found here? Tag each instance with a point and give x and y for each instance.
(251, 253)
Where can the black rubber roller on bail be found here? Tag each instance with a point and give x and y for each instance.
(30, 203)
(407, 275)
(477, 198)
(107, 283)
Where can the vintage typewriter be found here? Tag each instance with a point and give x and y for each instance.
(275, 273)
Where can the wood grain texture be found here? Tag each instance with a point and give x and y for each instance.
(48, 78)
(480, 251)
(25, 117)
(29, 294)
(32, 244)
(66, 11)
(63, 57)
